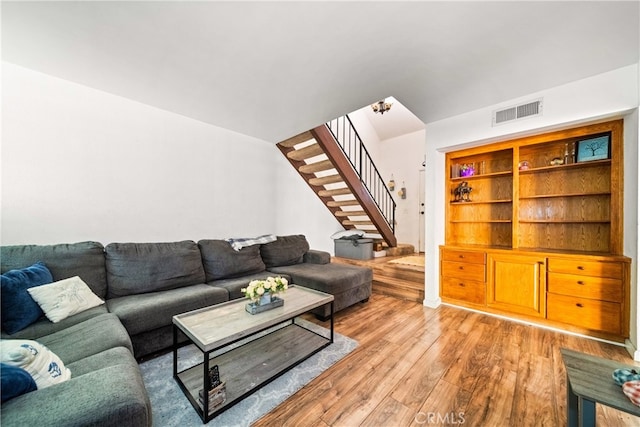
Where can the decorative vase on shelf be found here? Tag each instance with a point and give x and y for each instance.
(467, 170)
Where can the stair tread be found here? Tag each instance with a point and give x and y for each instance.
(338, 203)
(351, 213)
(306, 152)
(295, 140)
(334, 192)
(317, 167)
(350, 222)
(331, 179)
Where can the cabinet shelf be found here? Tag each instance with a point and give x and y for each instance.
(479, 176)
(488, 221)
(551, 196)
(564, 221)
(480, 202)
(565, 167)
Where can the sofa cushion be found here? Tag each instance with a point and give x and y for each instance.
(90, 337)
(286, 250)
(234, 285)
(329, 278)
(44, 366)
(137, 268)
(15, 381)
(64, 298)
(19, 310)
(144, 312)
(221, 261)
(45, 326)
(84, 259)
(317, 257)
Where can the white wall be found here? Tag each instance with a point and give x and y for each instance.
(81, 164)
(612, 94)
(402, 156)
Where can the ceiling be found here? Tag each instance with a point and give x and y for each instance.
(274, 69)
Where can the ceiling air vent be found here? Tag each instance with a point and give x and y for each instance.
(517, 112)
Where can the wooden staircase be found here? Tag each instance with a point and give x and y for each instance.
(326, 168)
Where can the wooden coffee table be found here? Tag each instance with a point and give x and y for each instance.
(264, 357)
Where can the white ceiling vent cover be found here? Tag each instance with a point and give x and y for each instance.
(517, 112)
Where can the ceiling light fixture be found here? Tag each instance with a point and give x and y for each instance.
(381, 107)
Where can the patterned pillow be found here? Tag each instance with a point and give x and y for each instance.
(42, 364)
(64, 298)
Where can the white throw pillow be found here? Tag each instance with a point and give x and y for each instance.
(64, 298)
(42, 364)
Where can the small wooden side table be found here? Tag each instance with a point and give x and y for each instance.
(590, 381)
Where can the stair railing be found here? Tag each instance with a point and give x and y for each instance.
(351, 144)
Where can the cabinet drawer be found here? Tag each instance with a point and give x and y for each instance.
(591, 314)
(589, 268)
(463, 270)
(585, 286)
(464, 290)
(463, 256)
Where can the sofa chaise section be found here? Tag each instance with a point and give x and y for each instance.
(291, 256)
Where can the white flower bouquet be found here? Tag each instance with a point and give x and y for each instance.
(258, 288)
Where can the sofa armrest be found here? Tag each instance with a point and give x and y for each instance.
(113, 396)
(313, 256)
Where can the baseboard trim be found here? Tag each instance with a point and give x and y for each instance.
(432, 303)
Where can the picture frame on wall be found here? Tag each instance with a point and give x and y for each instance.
(596, 148)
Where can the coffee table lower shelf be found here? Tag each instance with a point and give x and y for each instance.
(250, 366)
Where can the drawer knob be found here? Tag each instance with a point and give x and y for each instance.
(579, 305)
(461, 268)
(461, 284)
(580, 282)
(460, 256)
(580, 267)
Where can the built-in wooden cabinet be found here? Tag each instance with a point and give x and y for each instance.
(516, 283)
(464, 276)
(534, 230)
(589, 293)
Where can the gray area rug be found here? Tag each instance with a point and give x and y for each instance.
(171, 408)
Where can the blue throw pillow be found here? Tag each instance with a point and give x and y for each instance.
(15, 382)
(19, 310)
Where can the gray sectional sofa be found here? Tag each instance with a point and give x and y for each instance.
(144, 285)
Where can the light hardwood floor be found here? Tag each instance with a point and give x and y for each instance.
(415, 366)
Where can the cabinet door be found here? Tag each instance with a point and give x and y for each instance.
(516, 283)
